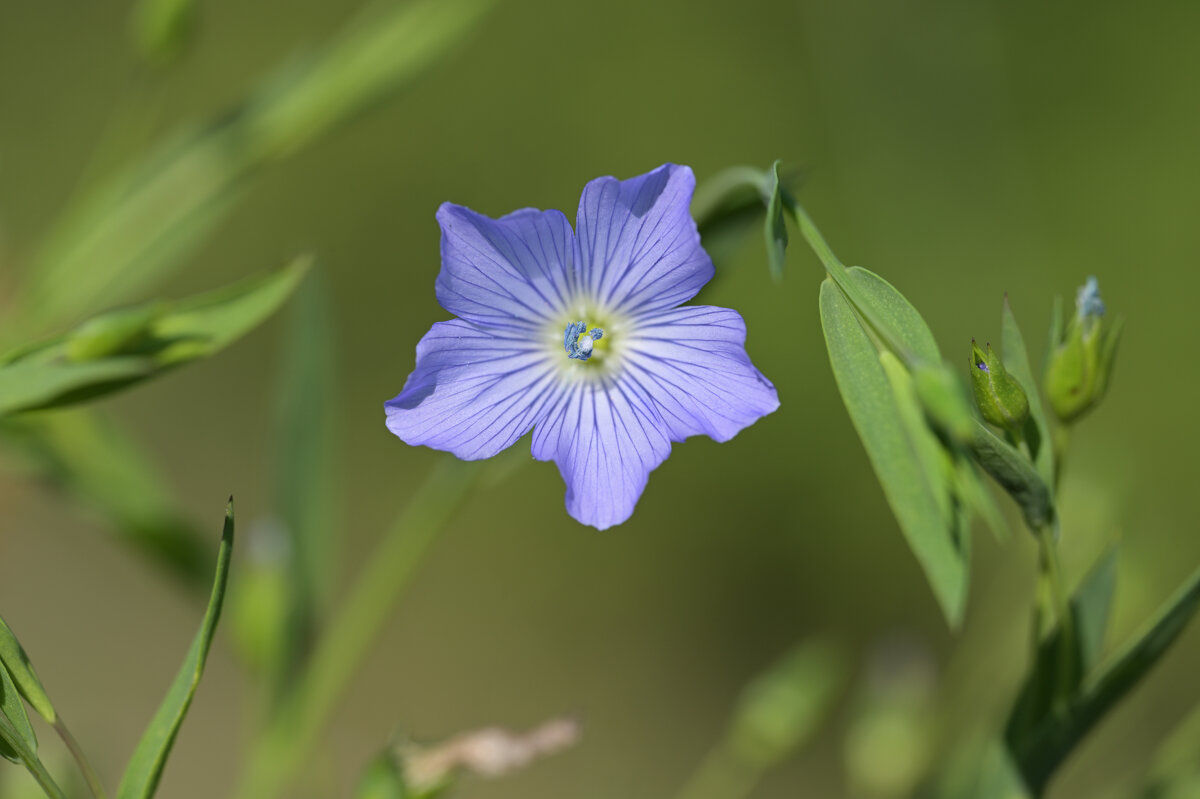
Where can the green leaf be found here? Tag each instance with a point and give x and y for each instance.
(382, 779)
(1040, 749)
(889, 309)
(49, 375)
(305, 473)
(15, 740)
(1016, 361)
(12, 708)
(96, 464)
(146, 766)
(135, 228)
(1015, 474)
(900, 447)
(20, 669)
(775, 228)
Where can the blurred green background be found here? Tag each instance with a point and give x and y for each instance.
(961, 150)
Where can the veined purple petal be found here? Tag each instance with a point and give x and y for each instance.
(509, 272)
(692, 363)
(473, 393)
(639, 248)
(605, 438)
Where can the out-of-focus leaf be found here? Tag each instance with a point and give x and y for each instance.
(306, 478)
(162, 28)
(47, 376)
(20, 669)
(91, 461)
(135, 228)
(985, 772)
(1176, 764)
(145, 768)
(382, 779)
(775, 228)
(783, 708)
(922, 505)
(12, 708)
(15, 740)
(1039, 749)
(1015, 474)
(1016, 361)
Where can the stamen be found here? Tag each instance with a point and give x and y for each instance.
(578, 344)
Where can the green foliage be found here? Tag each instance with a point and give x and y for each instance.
(120, 349)
(1054, 713)
(775, 227)
(1000, 398)
(162, 29)
(20, 669)
(382, 779)
(1014, 472)
(902, 449)
(1036, 432)
(13, 709)
(14, 740)
(145, 768)
(136, 227)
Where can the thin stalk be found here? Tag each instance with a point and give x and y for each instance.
(287, 743)
(30, 760)
(1052, 572)
(1062, 441)
(85, 768)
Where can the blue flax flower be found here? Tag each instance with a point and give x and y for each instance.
(580, 337)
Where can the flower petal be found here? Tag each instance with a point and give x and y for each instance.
(472, 393)
(509, 272)
(692, 362)
(605, 438)
(639, 248)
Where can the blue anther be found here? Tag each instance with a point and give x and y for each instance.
(1087, 300)
(578, 344)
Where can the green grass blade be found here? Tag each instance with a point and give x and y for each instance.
(895, 448)
(1016, 361)
(146, 766)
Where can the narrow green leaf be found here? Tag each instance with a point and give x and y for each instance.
(1015, 474)
(28, 385)
(20, 669)
(145, 768)
(142, 223)
(775, 228)
(1041, 750)
(95, 463)
(898, 451)
(12, 708)
(1016, 361)
(11, 736)
(50, 375)
(304, 467)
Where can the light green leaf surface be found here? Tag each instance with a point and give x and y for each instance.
(1016, 361)
(146, 343)
(145, 768)
(12, 708)
(899, 450)
(889, 309)
(382, 779)
(1040, 749)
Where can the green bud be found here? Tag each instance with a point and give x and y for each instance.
(1000, 397)
(1080, 365)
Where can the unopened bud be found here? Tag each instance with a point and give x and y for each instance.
(1001, 399)
(1081, 361)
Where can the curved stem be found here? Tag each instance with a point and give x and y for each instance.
(286, 744)
(85, 768)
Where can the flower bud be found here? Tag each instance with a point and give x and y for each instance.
(1000, 397)
(1081, 360)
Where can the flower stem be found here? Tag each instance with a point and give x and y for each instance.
(287, 742)
(85, 768)
(1055, 593)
